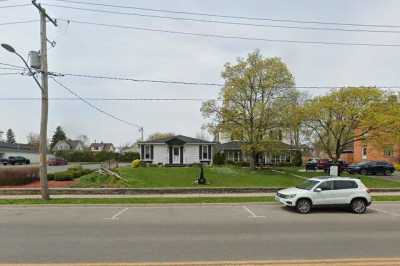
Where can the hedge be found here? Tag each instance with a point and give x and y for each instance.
(71, 174)
(88, 156)
(18, 176)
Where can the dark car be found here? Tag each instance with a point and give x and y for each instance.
(3, 161)
(371, 167)
(13, 160)
(323, 164)
(57, 161)
(311, 164)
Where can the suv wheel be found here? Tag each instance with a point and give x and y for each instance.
(364, 172)
(359, 206)
(303, 206)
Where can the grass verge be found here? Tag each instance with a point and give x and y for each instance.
(158, 200)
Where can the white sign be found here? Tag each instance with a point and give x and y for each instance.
(334, 170)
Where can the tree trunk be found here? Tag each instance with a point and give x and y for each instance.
(253, 159)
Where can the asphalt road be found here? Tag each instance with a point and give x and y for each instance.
(60, 234)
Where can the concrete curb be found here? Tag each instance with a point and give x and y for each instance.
(154, 191)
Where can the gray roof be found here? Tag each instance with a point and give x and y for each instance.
(105, 146)
(74, 143)
(16, 147)
(236, 145)
(180, 138)
(232, 145)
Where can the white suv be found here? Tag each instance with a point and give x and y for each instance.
(324, 191)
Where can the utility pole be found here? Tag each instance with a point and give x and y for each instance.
(141, 133)
(45, 103)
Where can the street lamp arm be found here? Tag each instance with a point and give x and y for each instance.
(30, 70)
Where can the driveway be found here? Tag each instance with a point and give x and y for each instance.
(175, 233)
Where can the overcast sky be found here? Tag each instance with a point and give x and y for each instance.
(86, 49)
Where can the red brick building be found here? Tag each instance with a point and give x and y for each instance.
(367, 151)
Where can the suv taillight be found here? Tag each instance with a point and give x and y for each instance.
(368, 190)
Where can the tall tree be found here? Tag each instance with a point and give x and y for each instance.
(85, 139)
(10, 136)
(344, 116)
(160, 135)
(59, 134)
(254, 95)
(33, 139)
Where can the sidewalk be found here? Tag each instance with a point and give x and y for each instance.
(194, 195)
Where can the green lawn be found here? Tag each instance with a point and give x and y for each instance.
(178, 177)
(147, 177)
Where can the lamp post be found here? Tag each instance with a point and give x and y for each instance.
(43, 127)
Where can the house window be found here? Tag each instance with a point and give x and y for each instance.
(388, 151)
(364, 152)
(147, 152)
(205, 152)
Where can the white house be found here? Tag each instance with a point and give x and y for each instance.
(176, 150)
(24, 150)
(69, 145)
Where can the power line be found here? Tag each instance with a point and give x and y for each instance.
(140, 80)
(230, 16)
(109, 99)
(96, 107)
(196, 83)
(221, 22)
(231, 37)
(10, 73)
(19, 22)
(11, 6)
(190, 83)
(11, 65)
(11, 68)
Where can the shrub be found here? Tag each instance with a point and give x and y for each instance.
(127, 157)
(136, 163)
(10, 176)
(64, 176)
(50, 176)
(71, 173)
(219, 158)
(297, 159)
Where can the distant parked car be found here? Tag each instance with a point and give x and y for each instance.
(371, 167)
(323, 164)
(57, 161)
(311, 164)
(3, 161)
(13, 160)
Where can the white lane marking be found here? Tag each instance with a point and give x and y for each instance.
(386, 212)
(116, 216)
(253, 215)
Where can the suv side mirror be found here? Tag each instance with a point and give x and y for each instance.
(318, 189)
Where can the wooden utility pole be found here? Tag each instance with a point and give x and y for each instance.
(45, 102)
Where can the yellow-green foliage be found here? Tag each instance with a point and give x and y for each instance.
(135, 163)
(397, 166)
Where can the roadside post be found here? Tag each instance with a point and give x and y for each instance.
(201, 180)
(334, 170)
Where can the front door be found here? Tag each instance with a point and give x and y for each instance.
(176, 155)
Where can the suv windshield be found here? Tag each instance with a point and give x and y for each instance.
(307, 185)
